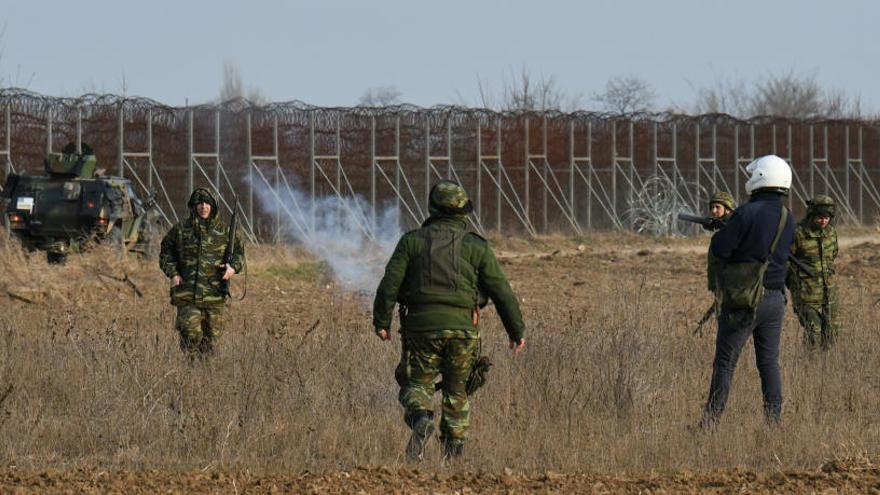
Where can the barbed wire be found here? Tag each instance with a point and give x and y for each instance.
(654, 207)
(300, 112)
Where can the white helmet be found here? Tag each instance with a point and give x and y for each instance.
(768, 172)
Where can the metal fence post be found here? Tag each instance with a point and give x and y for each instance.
(79, 129)
(427, 162)
(250, 166)
(120, 140)
(499, 173)
(373, 170)
(190, 186)
(150, 147)
(527, 193)
(571, 167)
(217, 150)
(277, 177)
(544, 172)
(478, 196)
(49, 131)
(312, 191)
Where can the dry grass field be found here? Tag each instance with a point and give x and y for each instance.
(300, 396)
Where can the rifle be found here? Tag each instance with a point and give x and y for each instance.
(229, 252)
(708, 314)
(826, 323)
(710, 223)
(707, 223)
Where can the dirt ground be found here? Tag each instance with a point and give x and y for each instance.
(567, 277)
(852, 476)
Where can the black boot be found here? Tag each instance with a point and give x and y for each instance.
(772, 414)
(452, 450)
(422, 424)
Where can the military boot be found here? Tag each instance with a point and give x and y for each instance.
(452, 450)
(422, 424)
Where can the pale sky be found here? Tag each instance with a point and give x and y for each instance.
(329, 52)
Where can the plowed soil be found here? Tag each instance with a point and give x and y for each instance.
(833, 477)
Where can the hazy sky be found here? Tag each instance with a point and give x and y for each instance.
(329, 52)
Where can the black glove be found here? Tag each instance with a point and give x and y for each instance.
(713, 225)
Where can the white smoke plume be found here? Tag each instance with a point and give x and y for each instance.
(338, 231)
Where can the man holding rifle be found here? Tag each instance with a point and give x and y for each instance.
(200, 255)
(721, 207)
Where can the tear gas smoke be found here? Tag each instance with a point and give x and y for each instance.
(338, 231)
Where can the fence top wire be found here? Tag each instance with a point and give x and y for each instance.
(299, 113)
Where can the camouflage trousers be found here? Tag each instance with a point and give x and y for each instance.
(818, 331)
(421, 360)
(199, 327)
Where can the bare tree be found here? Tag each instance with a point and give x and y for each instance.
(380, 96)
(790, 94)
(523, 91)
(232, 87)
(626, 94)
(726, 96)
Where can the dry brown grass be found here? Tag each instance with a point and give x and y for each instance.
(612, 379)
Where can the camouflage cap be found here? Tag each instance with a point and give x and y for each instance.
(821, 204)
(449, 198)
(724, 199)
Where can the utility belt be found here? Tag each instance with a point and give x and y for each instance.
(419, 308)
(472, 311)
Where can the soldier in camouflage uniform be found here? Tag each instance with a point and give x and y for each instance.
(815, 298)
(721, 208)
(439, 274)
(192, 257)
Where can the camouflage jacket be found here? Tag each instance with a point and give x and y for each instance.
(194, 249)
(817, 249)
(439, 297)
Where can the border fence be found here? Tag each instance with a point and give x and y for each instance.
(528, 173)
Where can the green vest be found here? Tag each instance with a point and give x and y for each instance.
(438, 273)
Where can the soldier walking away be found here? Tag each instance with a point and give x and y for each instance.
(192, 257)
(753, 248)
(815, 298)
(441, 275)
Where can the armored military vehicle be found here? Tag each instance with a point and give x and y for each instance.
(75, 205)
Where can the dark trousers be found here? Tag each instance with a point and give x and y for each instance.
(734, 329)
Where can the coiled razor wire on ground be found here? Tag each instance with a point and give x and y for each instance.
(656, 205)
(529, 172)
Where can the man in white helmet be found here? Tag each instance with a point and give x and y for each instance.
(755, 242)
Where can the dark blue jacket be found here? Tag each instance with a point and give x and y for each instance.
(749, 234)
